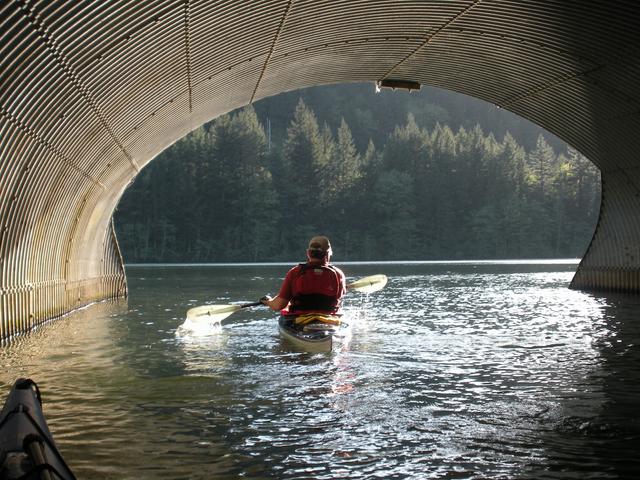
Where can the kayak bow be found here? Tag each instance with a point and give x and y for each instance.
(27, 449)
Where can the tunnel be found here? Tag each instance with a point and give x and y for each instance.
(92, 91)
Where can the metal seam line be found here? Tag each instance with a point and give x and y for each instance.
(34, 135)
(73, 77)
(585, 73)
(271, 50)
(187, 52)
(431, 37)
(621, 116)
(541, 88)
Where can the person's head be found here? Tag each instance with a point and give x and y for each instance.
(319, 249)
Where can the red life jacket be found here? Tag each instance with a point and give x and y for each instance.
(316, 288)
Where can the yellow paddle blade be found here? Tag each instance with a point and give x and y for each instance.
(369, 284)
(213, 313)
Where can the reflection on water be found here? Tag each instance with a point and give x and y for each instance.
(454, 370)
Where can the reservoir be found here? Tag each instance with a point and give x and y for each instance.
(468, 370)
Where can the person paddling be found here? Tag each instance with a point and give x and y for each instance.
(311, 292)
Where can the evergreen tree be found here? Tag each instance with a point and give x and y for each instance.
(344, 169)
(340, 179)
(438, 193)
(541, 165)
(406, 147)
(392, 207)
(245, 199)
(300, 187)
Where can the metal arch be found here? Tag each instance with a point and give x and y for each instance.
(90, 92)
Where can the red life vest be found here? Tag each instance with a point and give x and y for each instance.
(316, 288)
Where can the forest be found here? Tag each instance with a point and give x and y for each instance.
(388, 177)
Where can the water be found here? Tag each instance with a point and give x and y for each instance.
(454, 370)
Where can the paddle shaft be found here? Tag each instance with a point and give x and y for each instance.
(253, 304)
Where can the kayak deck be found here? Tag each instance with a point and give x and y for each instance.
(312, 340)
(27, 449)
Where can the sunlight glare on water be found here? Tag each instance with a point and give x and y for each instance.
(453, 370)
(201, 327)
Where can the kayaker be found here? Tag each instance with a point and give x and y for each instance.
(311, 291)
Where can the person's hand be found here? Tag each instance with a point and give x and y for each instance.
(266, 299)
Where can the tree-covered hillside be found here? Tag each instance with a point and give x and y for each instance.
(386, 177)
(372, 115)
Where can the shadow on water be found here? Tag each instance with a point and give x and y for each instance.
(615, 430)
(593, 431)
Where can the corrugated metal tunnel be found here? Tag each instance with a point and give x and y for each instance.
(91, 91)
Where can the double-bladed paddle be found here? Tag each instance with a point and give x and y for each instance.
(217, 313)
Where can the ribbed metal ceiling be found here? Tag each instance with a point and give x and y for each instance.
(91, 91)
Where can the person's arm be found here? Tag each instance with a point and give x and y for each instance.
(276, 303)
(282, 299)
(343, 283)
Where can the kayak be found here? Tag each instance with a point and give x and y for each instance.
(27, 449)
(313, 338)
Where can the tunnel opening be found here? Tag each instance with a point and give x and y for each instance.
(90, 93)
(432, 175)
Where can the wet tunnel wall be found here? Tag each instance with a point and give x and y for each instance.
(91, 91)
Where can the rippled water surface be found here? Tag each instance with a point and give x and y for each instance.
(454, 370)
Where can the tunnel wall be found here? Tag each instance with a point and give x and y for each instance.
(37, 297)
(612, 261)
(91, 92)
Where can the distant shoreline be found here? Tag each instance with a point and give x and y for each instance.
(543, 261)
